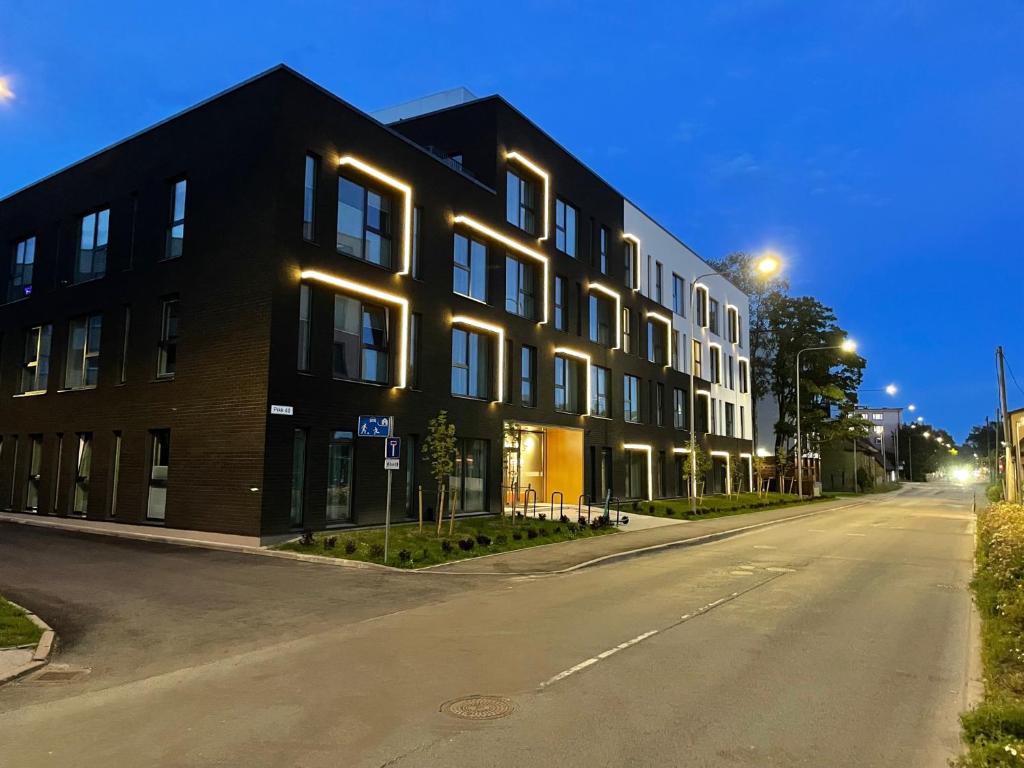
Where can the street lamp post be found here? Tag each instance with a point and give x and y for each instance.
(846, 346)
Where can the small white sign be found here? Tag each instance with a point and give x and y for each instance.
(282, 410)
(392, 464)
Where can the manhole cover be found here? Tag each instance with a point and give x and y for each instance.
(479, 707)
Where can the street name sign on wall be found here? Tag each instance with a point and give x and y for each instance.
(373, 426)
(282, 410)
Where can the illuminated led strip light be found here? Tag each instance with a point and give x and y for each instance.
(750, 470)
(580, 356)
(668, 333)
(374, 293)
(618, 309)
(515, 246)
(728, 468)
(547, 186)
(636, 259)
(406, 191)
(500, 332)
(650, 475)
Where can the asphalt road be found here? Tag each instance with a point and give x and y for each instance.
(841, 639)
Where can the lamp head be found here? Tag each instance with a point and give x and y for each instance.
(848, 345)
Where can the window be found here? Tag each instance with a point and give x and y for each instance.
(507, 368)
(730, 420)
(115, 479)
(312, 172)
(739, 330)
(658, 280)
(167, 349)
(678, 408)
(567, 384)
(528, 376)
(636, 474)
(602, 250)
(416, 268)
(469, 276)
(305, 306)
(627, 330)
(364, 223)
(713, 316)
(565, 228)
(22, 261)
(714, 416)
(35, 371)
(659, 404)
(298, 476)
(733, 321)
(159, 468)
(469, 479)
(176, 225)
(702, 306)
(34, 481)
(91, 260)
(126, 325)
(83, 362)
(655, 342)
(744, 381)
(360, 341)
(698, 359)
(561, 302)
(521, 202)
(716, 365)
(471, 369)
(339, 478)
(743, 424)
(629, 268)
(601, 391)
(675, 350)
(631, 398)
(520, 288)
(678, 295)
(601, 320)
(415, 323)
(730, 373)
(83, 473)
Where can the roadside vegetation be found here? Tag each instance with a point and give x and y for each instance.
(993, 731)
(15, 627)
(413, 547)
(722, 506)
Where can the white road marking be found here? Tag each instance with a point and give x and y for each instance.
(594, 659)
(816, 530)
(741, 573)
(856, 534)
(764, 546)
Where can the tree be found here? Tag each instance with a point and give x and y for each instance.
(737, 473)
(703, 466)
(439, 451)
(760, 471)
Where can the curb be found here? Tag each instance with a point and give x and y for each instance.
(41, 656)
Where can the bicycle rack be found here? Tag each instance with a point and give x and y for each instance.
(526, 501)
(561, 504)
(618, 508)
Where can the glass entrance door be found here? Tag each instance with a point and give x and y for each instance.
(339, 478)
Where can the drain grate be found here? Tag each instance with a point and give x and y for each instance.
(64, 675)
(479, 707)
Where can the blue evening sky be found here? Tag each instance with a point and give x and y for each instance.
(877, 143)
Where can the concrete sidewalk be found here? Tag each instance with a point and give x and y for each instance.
(567, 556)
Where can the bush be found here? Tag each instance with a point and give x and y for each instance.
(573, 528)
(650, 509)
(424, 554)
(446, 546)
(307, 539)
(517, 535)
(483, 540)
(501, 539)
(531, 533)
(377, 551)
(669, 511)
(404, 555)
(330, 541)
(558, 529)
(994, 492)
(564, 519)
(542, 516)
(466, 544)
(350, 547)
(582, 521)
(543, 531)
(636, 506)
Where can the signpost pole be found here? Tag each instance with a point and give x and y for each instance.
(387, 519)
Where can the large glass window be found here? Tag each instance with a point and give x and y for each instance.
(468, 483)
(528, 376)
(629, 263)
(601, 310)
(520, 288)
(35, 370)
(701, 294)
(659, 283)
(656, 342)
(35, 463)
(364, 223)
(310, 175)
(631, 398)
(167, 349)
(176, 225)
(602, 250)
(115, 477)
(600, 391)
(298, 476)
(471, 369)
(713, 315)
(469, 268)
(659, 404)
(678, 295)
(698, 359)
(91, 259)
(716, 365)
(565, 228)
(339, 478)
(561, 304)
(732, 318)
(415, 324)
(730, 420)
(567, 384)
(23, 259)
(521, 202)
(627, 330)
(678, 408)
(744, 381)
(83, 474)
(83, 361)
(360, 341)
(636, 474)
(305, 307)
(159, 468)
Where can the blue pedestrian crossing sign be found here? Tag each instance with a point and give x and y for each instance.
(373, 426)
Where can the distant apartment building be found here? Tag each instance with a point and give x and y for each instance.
(884, 425)
(195, 317)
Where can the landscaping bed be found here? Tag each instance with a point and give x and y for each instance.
(721, 506)
(408, 547)
(993, 731)
(16, 628)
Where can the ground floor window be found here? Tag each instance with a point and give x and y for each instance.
(340, 457)
(659, 477)
(35, 461)
(159, 465)
(83, 474)
(636, 475)
(468, 483)
(116, 474)
(298, 476)
(411, 496)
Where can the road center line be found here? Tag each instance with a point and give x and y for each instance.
(594, 659)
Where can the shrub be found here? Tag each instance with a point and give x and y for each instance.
(558, 529)
(669, 511)
(307, 538)
(466, 544)
(636, 506)
(531, 533)
(350, 547)
(424, 554)
(446, 546)
(543, 531)
(377, 551)
(564, 519)
(994, 492)
(501, 539)
(330, 541)
(483, 540)
(517, 535)
(573, 527)
(404, 555)
(650, 509)
(542, 516)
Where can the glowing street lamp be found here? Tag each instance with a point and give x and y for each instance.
(847, 345)
(911, 407)
(769, 264)
(6, 94)
(890, 389)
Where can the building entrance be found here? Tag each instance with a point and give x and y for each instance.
(544, 459)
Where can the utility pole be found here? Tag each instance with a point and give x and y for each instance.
(1010, 490)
